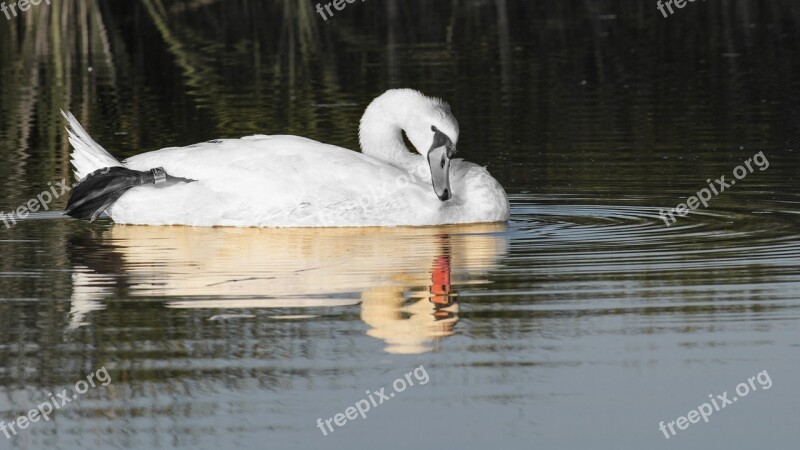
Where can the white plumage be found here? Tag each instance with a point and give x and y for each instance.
(290, 181)
(87, 155)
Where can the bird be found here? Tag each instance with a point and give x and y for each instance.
(275, 181)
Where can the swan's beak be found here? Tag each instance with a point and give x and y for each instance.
(439, 161)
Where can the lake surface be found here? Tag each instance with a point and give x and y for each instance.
(584, 322)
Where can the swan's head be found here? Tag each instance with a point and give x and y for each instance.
(434, 134)
(427, 122)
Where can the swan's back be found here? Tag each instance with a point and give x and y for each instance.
(271, 181)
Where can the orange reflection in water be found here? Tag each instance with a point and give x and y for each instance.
(402, 278)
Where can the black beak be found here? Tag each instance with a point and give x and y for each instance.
(439, 161)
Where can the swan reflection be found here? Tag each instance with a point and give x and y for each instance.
(404, 279)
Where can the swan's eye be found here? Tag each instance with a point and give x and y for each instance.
(409, 146)
(434, 129)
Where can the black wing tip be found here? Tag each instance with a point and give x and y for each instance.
(99, 190)
(102, 188)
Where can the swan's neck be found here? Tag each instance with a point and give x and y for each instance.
(385, 142)
(381, 136)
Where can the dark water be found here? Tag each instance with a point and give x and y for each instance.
(582, 323)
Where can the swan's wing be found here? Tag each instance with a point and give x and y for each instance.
(267, 180)
(254, 153)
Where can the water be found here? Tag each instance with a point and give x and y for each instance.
(585, 321)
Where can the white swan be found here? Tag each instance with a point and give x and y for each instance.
(290, 181)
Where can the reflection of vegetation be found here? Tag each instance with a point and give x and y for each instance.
(45, 58)
(276, 67)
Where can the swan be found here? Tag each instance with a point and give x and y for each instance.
(290, 181)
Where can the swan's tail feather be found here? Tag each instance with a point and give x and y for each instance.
(103, 179)
(87, 155)
(101, 188)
